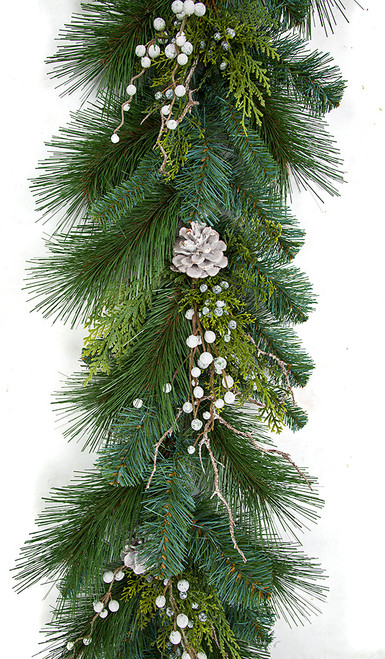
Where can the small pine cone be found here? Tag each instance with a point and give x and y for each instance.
(198, 251)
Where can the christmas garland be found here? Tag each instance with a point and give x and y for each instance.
(174, 247)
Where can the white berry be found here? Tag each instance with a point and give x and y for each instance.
(192, 341)
(186, 655)
(113, 606)
(145, 62)
(137, 402)
(229, 397)
(189, 314)
(159, 24)
(227, 381)
(131, 90)
(103, 614)
(202, 655)
(172, 124)
(119, 576)
(167, 388)
(188, 7)
(70, 645)
(177, 6)
(108, 577)
(220, 363)
(180, 90)
(199, 9)
(115, 138)
(180, 39)
(154, 50)
(206, 415)
(187, 48)
(98, 607)
(196, 372)
(210, 336)
(140, 50)
(182, 620)
(203, 288)
(87, 641)
(191, 450)
(183, 585)
(206, 358)
(187, 408)
(196, 424)
(175, 638)
(182, 59)
(198, 392)
(165, 110)
(170, 51)
(219, 403)
(160, 601)
(126, 107)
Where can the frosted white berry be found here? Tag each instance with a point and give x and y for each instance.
(187, 407)
(113, 606)
(154, 50)
(196, 372)
(232, 324)
(180, 90)
(131, 90)
(189, 314)
(170, 51)
(98, 607)
(103, 614)
(196, 424)
(175, 638)
(167, 388)
(183, 585)
(191, 449)
(119, 576)
(198, 392)
(220, 363)
(186, 655)
(70, 645)
(227, 381)
(199, 9)
(159, 24)
(140, 50)
(87, 641)
(126, 107)
(206, 416)
(160, 601)
(180, 39)
(210, 336)
(181, 16)
(169, 93)
(202, 655)
(182, 59)
(192, 341)
(145, 62)
(172, 124)
(108, 577)
(229, 397)
(187, 48)
(182, 620)
(115, 138)
(177, 6)
(165, 110)
(206, 358)
(137, 402)
(188, 7)
(219, 403)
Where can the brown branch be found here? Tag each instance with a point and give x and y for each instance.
(205, 441)
(158, 445)
(262, 448)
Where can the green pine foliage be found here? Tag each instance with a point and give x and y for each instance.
(220, 505)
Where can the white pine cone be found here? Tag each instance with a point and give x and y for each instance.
(198, 251)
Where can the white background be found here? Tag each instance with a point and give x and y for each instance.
(344, 441)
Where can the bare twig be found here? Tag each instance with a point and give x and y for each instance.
(262, 448)
(279, 362)
(158, 445)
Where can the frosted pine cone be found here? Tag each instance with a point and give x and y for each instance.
(198, 251)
